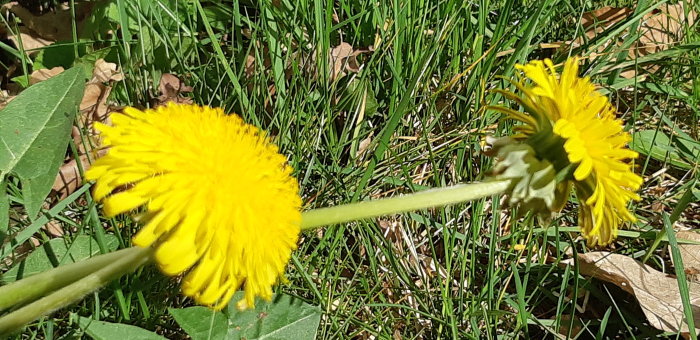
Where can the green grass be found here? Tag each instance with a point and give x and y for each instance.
(411, 118)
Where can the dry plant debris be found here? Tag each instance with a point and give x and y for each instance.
(659, 29)
(690, 253)
(171, 87)
(52, 26)
(657, 292)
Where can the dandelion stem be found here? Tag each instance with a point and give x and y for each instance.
(128, 260)
(420, 200)
(34, 286)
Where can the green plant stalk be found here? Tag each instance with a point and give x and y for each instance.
(67, 284)
(417, 201)
(32, 287)
(130, 260)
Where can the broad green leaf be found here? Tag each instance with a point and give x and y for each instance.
(285, 317)
(101, 330)
(55, 253)
(657, 145)
(34, 132)
(201, 322)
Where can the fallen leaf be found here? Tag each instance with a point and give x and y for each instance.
(54, 228)
(94, 106)
(105, 72)
(5, 98)
(250, 64)
(662, 28)
(343, 59)
(31, 42)
(656, 292)
(171, 87)
(690, 253)
(659, 30)
(43, 74)
(364, 144)
(55, 25)
(68, 179)
(599, 20)
(577, 325)
(338, 57)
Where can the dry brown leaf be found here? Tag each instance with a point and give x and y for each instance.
(343, 59)
(338, 57)
(657, 292)
(68, 179)
(94, 106)
(659, 29)
(690, 253)
(55, 25)
(662, 28)
(171, 87)
(31, 42)
(43, 74)
(364, 144)
(596, 22)
(54, 228)
(105, 72)
(5, 98)
(250, 64)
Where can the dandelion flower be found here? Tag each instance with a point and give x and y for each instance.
(220, 202)
(574, 127)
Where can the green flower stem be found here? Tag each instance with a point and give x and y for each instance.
(417, 201)
(30, 288)
(129, 260)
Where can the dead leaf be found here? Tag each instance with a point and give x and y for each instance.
(94, 106)
(105, 72)
(31, 42)
(657, 292)
(54, 228)
(597, 21)
(43, 74)
(662, 28)
(171, 87)
(364, 144)
(68, 179)
(577, 325)
(5, 98)
(250, 64)
(343, 59)
(659, 30)
(55, 25)
(690, 253)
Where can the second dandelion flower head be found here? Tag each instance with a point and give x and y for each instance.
(570, 137)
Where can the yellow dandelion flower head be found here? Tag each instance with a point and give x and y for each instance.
(220, 201)
(566, 115)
